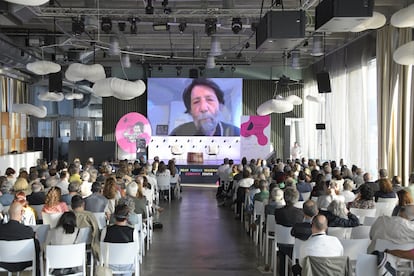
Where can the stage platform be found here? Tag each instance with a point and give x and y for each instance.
(199, 173)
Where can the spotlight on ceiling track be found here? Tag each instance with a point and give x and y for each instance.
(106, 25)
(78, 25)
(211, 26)
(179, 68)
(121, 26)
(182, 26)
(133, 21)
(236, 25)
(160, 26)
(149, 9)
(295, 59)
(317, 45)
(222, 69)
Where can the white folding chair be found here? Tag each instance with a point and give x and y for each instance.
(366, 264)
(362, 213)
(120, 254)
(18, 251)
(305, 196)
(369, 221)
(85, 236)
(282, 236)
(360, 232)
(384, 208)
(340, 232)
(41, 231)
(258, 214)
(149, 226)
(101, 218)
(381, 245)
(352, 248)
(299, 204)
(38, 209)
(163, 182)
(142, 234)
(269, 235)
(65, 256)
(51, 219)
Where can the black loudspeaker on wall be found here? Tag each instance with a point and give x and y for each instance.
(55, 82)
(320, 126)
(324, 82)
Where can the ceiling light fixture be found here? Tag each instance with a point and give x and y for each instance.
(126, 61)
(133, 21)
(121, 26)
(160, 27)
(222, 69)
(149, 9)
(210, 62)
(317, 45)
(215, 48)
(403, 18)
(182, 26)
(210, 26)
(295, 59)
(236, 25)
(78, 25)
(106, 25)
(114, 49)
(179, 68)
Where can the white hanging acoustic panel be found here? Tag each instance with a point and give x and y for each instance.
(315, 99)
(295, 100)
(278, 105)
(404, 55)
(119, 88)
(29, 109)
(43, 67)
(51, 96)
(77, 72)
(28, 2)
(403, 18)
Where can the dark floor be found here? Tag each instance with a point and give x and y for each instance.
(199, 238)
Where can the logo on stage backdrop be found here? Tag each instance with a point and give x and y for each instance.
(256, 126)
(132, 129)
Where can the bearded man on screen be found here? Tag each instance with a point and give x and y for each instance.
(203, 100)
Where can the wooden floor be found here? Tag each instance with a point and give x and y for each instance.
(199, 238)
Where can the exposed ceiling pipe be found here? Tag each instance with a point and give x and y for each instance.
(12, 55)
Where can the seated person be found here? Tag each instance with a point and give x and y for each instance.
(120, 232)
(364, 199)
(339, 216)
(303, 230)
(14, 230)
(385, 189)
(320, 244)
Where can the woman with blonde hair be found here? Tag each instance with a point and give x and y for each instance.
(53, 203)
(28, 217)
(110, 191)
(21, 185)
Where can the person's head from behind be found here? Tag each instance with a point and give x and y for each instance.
(291, 195)
(16, 211)
(310, 209)
(404, 198)
(385, 185)
(132, 189)
(338, 208)
(121, 212)
(319, 224)
(53, 196)
(96, 187)
(68, 222)
(396, 180)
(202, 99)
(383, 173)
(407, 212)
(77, 202)
(348, 185)
(366, 193)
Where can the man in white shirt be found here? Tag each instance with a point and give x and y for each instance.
(320, 244)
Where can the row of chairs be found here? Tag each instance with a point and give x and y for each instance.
(69, 256)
